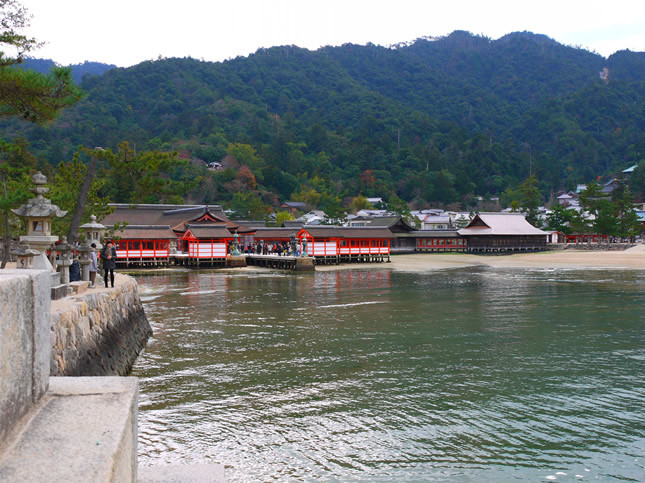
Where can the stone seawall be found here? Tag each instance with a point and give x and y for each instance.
(601, 247)
(99, 333)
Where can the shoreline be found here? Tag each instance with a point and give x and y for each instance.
(630, 259)
(571, 259)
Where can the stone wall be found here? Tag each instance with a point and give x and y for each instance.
(600, 247)
(99, 333)
(24, 342)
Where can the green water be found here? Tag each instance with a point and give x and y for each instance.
(459, 375)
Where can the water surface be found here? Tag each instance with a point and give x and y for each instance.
(460, 375)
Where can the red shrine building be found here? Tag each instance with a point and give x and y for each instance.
(154, 234)
(202, 235)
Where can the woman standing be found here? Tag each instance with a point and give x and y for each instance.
(108, 255)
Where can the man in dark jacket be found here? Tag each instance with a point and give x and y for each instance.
(108, 257)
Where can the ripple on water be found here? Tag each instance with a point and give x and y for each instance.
(460, 375)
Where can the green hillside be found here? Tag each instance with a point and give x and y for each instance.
(435, 122)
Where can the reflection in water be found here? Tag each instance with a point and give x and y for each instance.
(471, 374)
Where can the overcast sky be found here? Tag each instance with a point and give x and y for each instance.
(128, 32)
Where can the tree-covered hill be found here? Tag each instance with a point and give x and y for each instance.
(79, 71)
(435, 121)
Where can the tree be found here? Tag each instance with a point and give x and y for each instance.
(246, 155)
(401, 208)
(606, 221)
(637, 180)
(27, 94)
(246, 178)
(462, 221)
(15, 165)
(282, 216)
(360, 203)
(560, 218)
(367, 177)
(334, 212)
(147, 176)
(590, 198)
(309, 196)
(629, 225)
(249, 206)
(530, 199)
(83, 193)
(579, 223)
(69, 181)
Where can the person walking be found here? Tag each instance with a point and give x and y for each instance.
(108, 255)
(94, 266)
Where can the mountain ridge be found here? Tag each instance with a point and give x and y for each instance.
(476, 112)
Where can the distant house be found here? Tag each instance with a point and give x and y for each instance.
(641, 216)
(436, 222)
(357, 221)
(312, 217)
(628, 172)
(565, 199)
(293, 206)
(372, 213)
(502, 232)
(569, 199)
(610, 186)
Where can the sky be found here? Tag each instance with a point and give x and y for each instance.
(126, 32)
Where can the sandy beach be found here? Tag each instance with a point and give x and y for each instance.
(630, 259)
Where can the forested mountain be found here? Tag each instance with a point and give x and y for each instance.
(436, 121)
(78, 70)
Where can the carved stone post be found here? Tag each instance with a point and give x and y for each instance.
(84, 260)
(24, 256)
(64, 260)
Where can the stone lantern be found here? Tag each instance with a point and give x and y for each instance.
(38, 213)
(84, 254)
(24, 256)
(64, 260)
(93, 231)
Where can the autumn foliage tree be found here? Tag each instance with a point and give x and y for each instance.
(246, 178)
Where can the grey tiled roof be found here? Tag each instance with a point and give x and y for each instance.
(500, 224)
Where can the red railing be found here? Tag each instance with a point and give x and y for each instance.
(138, 249)
(592, 238)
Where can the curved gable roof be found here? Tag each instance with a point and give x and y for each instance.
(500, 224)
